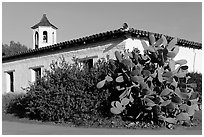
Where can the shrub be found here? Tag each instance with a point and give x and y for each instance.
(148, 87)
(14, 103)
(6, 99)
(67, 93)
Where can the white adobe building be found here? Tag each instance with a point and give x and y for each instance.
(24, 67)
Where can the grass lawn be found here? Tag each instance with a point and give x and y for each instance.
(10, 121)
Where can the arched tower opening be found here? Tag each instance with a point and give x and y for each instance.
(45, 37)
(36, 40)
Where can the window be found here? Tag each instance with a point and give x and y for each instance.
(36, 40)
(88, 63)
(45, 36)
(10, 81)
(36, 73)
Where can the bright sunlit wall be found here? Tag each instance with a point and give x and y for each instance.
(193, 56)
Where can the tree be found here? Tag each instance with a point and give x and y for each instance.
(13, 48)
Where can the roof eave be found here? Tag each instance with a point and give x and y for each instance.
(108, 34)
(36, 26)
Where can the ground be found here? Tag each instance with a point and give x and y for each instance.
(14, 126)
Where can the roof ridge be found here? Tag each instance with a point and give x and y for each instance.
(107, 34)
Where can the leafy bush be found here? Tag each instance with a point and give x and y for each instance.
(150, 87)
(67, 93)
(6, 99)
(13, 103)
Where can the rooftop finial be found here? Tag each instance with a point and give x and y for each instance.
(125, 26)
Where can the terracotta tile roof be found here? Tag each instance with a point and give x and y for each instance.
(44, 22)
(100, 37)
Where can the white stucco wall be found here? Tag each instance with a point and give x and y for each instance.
(22, 73)
(193, 57)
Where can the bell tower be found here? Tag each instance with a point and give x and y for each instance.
(44, 33)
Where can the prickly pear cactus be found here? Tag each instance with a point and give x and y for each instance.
(149, 86)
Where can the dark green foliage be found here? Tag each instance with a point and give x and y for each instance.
(14, 103)
(67, 93)
(6, 99)
(13, 48)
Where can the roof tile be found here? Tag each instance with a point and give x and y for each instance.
(105, 35)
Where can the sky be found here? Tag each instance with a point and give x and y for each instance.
(76, 20)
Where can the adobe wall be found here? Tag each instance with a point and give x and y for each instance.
(22, 71)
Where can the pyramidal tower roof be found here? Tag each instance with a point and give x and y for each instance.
(44, 22)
